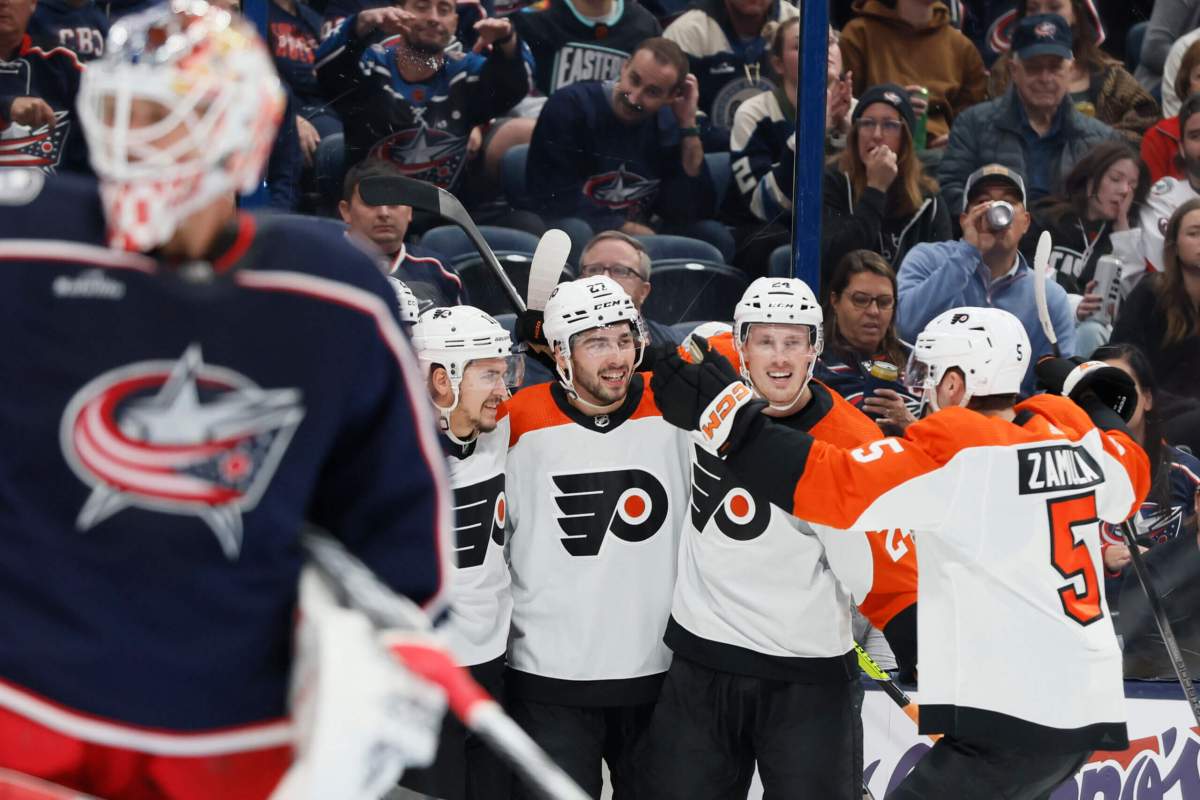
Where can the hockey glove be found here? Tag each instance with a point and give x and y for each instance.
(529, 330)
(1075, 378)
(707, 397)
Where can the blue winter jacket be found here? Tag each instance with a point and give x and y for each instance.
(937, 276)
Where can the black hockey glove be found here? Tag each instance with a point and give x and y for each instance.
(529, 330)
(1108, 386)
(708, 397)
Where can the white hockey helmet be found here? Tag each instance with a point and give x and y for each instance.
(217, 105)
(452, 337)
(988, 345)
(778, 301)
(581, 305)
(406, 301)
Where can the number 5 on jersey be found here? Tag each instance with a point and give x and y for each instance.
(1071, 557)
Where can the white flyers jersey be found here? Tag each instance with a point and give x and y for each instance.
(1016, 642)
(595, 510)
(480, 592)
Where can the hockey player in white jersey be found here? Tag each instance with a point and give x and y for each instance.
(1020, 668)
(764, 667)
(470, 367)
(598, 492)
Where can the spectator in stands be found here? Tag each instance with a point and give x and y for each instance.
(625, 260)
(37, 98)
(1142, 248)
(78, 25)
(912, 43)
(412, 104)
(1034, 128)
(1162, 314)
(1103, 194)
(1168, 20)
(863, 358)
(1172, 97)
(877, 195)
(1160, 147)
(1098, 84)
(839, 92)
(728, 52)
(384, 228)
(985, 268)
(626, 156)
(294, 34)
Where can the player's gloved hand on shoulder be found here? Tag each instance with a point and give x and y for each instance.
(529, 330)
(1075, 378)
(708, 397)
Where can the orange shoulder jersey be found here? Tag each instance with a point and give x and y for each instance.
(797, 617)
(595, 508)
(1016, 644)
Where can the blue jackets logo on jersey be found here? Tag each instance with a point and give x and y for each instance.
(620, 189)
(629, 503)
(424, 153)
(178, 437)
(41, 148)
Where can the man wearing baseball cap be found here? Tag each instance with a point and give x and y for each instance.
(985, 268)
(1034, 127)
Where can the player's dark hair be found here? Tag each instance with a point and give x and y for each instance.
(992, 402)
(1183, 78)
(1081, 182)
(851, 264)
(367, 168)
(1143, 373)
(666, 53)
(1173, 298)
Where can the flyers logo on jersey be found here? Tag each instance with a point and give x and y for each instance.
(479, 513)
(716, 496)
(179, 437)
(1058, 467)
(631, 504)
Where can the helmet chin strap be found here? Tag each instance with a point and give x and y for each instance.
(567, 381)
(444, 413)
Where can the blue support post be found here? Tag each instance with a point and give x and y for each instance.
(810, 143)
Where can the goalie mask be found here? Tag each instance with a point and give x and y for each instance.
(988, 345)
(779, 301)
(180, 111)
(455, 336)
(582, 305)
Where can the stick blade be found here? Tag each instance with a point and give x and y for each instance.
(1041, 260)
(396, 190)
(549, 260)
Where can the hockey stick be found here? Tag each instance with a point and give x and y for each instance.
(1041, 260)
(898, 695)
(1161, 621)
(549, 260)
(394, 190)
(482, 715)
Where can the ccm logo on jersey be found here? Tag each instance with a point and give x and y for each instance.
(479, 512)
(718, 497)
(1060, 466)
(631, 504)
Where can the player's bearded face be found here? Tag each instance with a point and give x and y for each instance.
(481, 392)
(778, 358)
(602, 361)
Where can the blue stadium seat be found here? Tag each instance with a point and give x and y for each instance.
(484, 289)
(721, 172)
(699, 290)
(780, 263)
(1133, 45)
(512, 176)
(660, 246)
(451, 243)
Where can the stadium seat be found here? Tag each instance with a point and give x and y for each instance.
(1133, 45)
(660, 246)
(512, 176)
(721, 172)
(451, 243)
(329, 167)
(697, 290)
(484, 289)
(780, 263)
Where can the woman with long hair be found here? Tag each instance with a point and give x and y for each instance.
(1162, 314)
(863, 357)
(1101, 196)
(1160, 147)
(877, 195)
(1100, 86)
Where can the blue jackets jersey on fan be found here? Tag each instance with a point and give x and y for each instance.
(293, 40)
(585, 162)
(53, 75)
(79, 28)
(170, 439)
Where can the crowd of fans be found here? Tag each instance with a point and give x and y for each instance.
(948, 152)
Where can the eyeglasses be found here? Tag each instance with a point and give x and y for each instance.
(614, 271)
(891, 127)
(862, 300)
